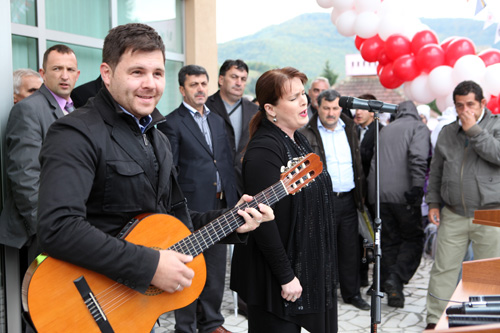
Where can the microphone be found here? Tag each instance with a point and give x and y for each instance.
(474, 308)
(349, 102)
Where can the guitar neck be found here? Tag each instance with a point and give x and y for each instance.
(225, 224)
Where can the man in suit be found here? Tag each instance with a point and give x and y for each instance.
(27, 126)
(106, 163)
(26, 82)
(81, 94)
(201, 151)
(333, 137)
(236, 111)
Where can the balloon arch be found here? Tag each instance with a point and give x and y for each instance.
(410, 54)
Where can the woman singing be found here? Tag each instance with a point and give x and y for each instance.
(287, 271)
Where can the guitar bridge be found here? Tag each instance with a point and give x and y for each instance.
(93, 305)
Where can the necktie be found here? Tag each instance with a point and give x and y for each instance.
(69, 107)
(362, 133)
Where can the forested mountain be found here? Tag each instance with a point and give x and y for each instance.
(309, 40)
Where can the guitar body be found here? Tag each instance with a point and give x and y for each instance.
(55, 304)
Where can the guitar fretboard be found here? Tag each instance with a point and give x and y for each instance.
(219, 228)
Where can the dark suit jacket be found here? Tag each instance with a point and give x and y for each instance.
(249, 109)
(27, 126)
(314, 137)
(367, 147)
(98, 171)
(196, 163)
(81, 94)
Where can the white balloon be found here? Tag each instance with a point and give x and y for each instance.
(407, 90)
(325, 3)
(412, 26)
(343, 5)
(391, 6)
(468, 67)
(420, 90)
(391, 23)
(444, 102)
(345, 23)
(334, 15)
(366, 24)
(491, 80)
(440, 81)
(367, 5)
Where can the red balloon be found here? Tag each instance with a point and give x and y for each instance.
(358, 41)
(371, 48)
(387, 77)
(379, 68)
(458, 48)
(405, 68)
(383, 59)
(429, 57)
(446, 42)
(493, 105)
(421, 39)
(397, 45)
(490, 56)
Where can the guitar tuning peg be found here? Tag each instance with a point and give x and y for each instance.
(289, 164)
(283, 169)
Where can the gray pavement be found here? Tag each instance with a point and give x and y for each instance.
(411, 318)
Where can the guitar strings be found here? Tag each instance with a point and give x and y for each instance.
(117, 294)
(223, 229)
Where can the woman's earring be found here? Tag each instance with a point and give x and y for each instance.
(274, 119)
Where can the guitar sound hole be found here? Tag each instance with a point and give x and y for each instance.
(153, 291)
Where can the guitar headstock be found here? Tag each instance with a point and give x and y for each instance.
(300, 171)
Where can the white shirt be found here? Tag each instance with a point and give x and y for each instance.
(338, 156)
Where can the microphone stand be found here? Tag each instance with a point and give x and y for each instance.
(376, 296)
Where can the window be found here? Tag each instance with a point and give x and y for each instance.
(83, 25)
(24, 52)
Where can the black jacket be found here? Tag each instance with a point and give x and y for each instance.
(197, 163)
(98, 171)
(249, 109)
(312, 134)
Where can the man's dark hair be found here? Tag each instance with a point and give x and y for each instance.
(467, 87)
(190, 70)
(229, 63)
(131, 36)
(329, 94)
(63, 49)
(368, 97)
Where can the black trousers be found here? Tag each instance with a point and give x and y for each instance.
(262, 321)
(348, 245)
(402, 240)
(205, 314)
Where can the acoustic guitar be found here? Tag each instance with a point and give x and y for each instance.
(62, 297)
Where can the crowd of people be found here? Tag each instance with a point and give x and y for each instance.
(81, 163)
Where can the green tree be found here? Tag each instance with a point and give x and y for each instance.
(329, 73)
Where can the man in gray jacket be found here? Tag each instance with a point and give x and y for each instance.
(465, 177)
(28, 123)
(404, 149)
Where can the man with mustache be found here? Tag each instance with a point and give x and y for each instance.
(236, 111)
(334, 138)
(201, 151)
